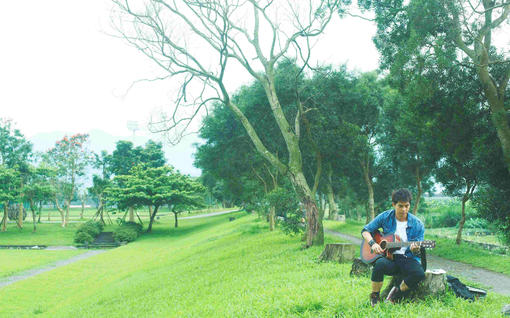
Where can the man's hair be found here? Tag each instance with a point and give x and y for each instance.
(401, 195)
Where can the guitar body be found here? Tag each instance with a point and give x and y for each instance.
(366, 254)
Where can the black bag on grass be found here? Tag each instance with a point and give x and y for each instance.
(459, 288)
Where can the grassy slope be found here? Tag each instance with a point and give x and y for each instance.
(444, 248)
(14, 261)
(214, 269)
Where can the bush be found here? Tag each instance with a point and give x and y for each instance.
(87, 232)
(135, 226)
(125, 234)
(83, 238)
(476, 223)
(450, 218)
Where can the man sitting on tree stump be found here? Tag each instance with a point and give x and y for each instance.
(405, 260)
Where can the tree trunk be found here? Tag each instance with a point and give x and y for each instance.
(333, 209)
(462, 221)
(20, 215)
(82, 209)
(66, 220)
(131, 214)
(418, 195)
(271, 217)
(496, 100)
(368, 181)
(4, 219)
(40, 212)
(465, 198)
(149, 229)
(150, 210)
(32, 208)
(314, 229)
(176, 223)
(60, 210)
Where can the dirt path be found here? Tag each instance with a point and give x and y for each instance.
(208, 214)
(35, 271)
(499, 283)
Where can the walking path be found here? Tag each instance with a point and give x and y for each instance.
(32, 272)
(499, 283)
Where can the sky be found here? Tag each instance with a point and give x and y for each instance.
(62, 70)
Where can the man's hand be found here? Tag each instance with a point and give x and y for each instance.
(376, 248)
(415, 248)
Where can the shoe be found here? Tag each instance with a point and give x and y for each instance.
(374, 298)
(394, 295)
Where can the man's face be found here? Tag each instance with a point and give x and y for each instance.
(401, 209)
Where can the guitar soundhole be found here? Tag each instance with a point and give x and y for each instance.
(383, 245)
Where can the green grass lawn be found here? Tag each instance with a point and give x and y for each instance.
(15, 261)
(214, 268)
(46, 234)
(445, 247)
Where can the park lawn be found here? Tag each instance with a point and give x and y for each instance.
(15, 261)
(215, 268)
(445, 248)
(50, 234)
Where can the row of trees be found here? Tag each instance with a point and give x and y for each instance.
(128, 178)
(386, 128)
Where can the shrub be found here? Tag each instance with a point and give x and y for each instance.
(88, 231)
(476, 223)
(136, 226)
(125, 234)
(83, 238)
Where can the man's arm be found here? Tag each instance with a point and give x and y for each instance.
(368, 229)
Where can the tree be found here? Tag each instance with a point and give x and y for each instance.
(415, 35)
(38, 188)
(69, 157)
(228, 33)
(15, 153)
(157, 187)
(126, 156)
(8, 183)
(101, 182)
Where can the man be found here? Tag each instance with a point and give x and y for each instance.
(405, 260)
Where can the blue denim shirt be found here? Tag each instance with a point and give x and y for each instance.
(387, 221)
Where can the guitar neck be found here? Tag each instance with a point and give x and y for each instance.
(400, 244)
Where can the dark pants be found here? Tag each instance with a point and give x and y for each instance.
(411, 271)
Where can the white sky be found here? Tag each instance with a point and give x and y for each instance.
(60, 71)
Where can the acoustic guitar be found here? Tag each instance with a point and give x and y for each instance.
(389, 243)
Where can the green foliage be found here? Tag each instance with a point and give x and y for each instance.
(476, 223)
(135, 226)
(83, 237)
(87, 232)
(125, 234)
(493, 204)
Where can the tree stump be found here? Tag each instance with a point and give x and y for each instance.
(359, 268)
(339, 252)
(433, 284)
(506, 310)
(340, 217)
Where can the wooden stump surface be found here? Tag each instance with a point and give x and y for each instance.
(340, 252)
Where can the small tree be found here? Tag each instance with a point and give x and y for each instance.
(69, 157)
(38, 188)
(8, 178)
(157, 187)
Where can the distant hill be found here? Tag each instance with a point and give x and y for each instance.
(180, 156)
